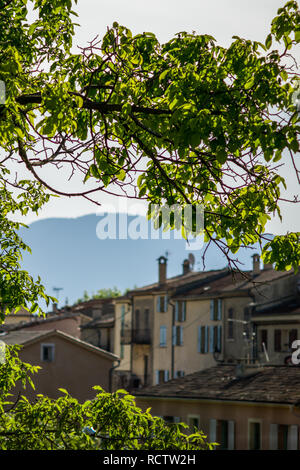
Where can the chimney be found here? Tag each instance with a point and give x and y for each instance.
(268, 266)
(186, 266)
(162, 270)
(256, 264)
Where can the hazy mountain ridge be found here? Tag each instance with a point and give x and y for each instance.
(67, 253)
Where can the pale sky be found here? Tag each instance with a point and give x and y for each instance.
(219, 18)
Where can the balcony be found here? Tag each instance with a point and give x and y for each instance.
(141, 336)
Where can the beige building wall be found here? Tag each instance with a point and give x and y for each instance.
(75, 368)
(241, 413)
(186, 356)
(123, 351)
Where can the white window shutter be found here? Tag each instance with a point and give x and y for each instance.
(293, 437)
(273, 436)
(158, 304)
(166, 375)
(231, 435)
(213, 430)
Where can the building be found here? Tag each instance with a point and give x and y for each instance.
(193, 321)
(239, 407)
(66, 362)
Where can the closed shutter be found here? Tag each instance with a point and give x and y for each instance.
(213, 430)
(166, 303)
(219, 338)
(156, 377)
(206, 339)
(211, 339)
(293, 437)
(174, 335)
(183, 311)
(176, 310)
(219, 309)
(158, 304)
(180, 335)
(273, 436)
(231, 437)
(166, 375)
(199, 338)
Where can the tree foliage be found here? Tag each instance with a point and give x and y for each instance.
(108, 422)
(187, 122)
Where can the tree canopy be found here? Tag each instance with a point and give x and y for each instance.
(108, 422)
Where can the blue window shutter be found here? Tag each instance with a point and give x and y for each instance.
(219, 344)
(158, 304)
(212, 309)
(166, 303)
(176, 310)
(166, 375)
(181, 336)
(199, 339)
(219, 309)
(184, 310)
(175, 374)
(206, 339)
(211, 339)
(174, 336)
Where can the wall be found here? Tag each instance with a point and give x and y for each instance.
(74, 368)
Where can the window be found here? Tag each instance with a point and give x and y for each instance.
(161, 376)
(146, 317)
(163, 336)
(230, 330)
(137, 319)
(162, 303)
(177, 335)
(254, 435)
(47, 352)
(180, 310)
(171, 419)
(222, 432)
(283, 437)
(293, 336)
(193, 422)
(178, 373)
(277, 340)
(215, 338)
(203, 339)
(263, 339)
(122, 351)
(216, 309)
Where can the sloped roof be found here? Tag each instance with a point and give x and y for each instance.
(24, 337)
(270, 384)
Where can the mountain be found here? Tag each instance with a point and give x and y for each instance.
(68, 253)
